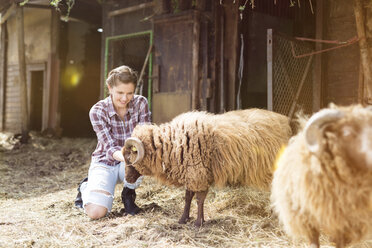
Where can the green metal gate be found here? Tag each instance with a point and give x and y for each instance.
(130, 50)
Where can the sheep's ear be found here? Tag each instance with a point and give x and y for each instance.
(332, 105)
(315, 127)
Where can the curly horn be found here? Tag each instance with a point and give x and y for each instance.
(130, 142)
(315, 125)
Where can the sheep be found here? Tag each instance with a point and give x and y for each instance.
(323, 180)
(199, 149)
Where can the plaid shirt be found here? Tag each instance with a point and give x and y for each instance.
(111, 130)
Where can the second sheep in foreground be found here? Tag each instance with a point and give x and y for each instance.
(323, 182)
(198, 149)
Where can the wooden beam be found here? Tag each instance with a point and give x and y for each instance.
(140, 82)
(231, 48)
(317, 80)
(38, 6)
(195, 103)
(304, 76)
(363, 47)
(269, 60)
(8, 13)
(52, 87)
(22, 74)
(3, 67)
(130, 9)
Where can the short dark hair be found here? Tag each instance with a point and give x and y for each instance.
(124, 74)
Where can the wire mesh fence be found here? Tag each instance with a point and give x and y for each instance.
(289, 75)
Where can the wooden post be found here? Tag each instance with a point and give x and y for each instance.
(317, 81)
(3, 67)
(270, 105)
(130, 9)
(140, 81)
(195, 103)
(22, 74)
(364, 53)
(53, 78)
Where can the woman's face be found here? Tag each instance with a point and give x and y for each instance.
(121, 94)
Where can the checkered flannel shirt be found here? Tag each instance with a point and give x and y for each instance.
(111, 130)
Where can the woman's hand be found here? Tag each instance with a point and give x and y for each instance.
(118, 156)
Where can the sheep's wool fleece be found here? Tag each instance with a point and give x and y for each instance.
(199, 149)
(330, 193)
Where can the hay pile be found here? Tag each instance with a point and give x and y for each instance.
(38, 186)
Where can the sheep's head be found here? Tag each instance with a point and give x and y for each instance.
(350, 128)
(133, 152)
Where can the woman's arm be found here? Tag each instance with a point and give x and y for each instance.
(98, 118)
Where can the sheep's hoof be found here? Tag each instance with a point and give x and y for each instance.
(199, 223)
(183, 220)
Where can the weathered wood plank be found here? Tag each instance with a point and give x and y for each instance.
(3, 62)
(22, 73)
(130, 9)
(318, 73)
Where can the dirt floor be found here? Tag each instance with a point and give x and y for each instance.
(38, 186)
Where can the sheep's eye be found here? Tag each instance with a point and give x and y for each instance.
(348, 132)
(134, 149)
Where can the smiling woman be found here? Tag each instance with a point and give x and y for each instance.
(113, 119)
(121, 95)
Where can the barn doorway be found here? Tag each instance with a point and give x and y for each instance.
(36, 100)
(131, 50)
(37, 95)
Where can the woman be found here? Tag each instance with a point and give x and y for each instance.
(113, 119)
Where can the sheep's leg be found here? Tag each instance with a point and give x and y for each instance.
(314, 238)
(200, 197)
(186, 211)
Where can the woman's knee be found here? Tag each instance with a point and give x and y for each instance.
(95, 211)
(97, 203)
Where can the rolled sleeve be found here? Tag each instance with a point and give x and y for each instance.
(110, 153)
(99, 120)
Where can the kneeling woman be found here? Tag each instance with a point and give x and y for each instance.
(113, 119)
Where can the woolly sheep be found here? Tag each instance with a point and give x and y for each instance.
(323, 181)
(199, 149)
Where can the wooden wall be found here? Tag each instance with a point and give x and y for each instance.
(37, 45)
(12, 100)
(341, 71)
(37, 36)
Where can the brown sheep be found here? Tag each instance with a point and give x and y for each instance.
(199, 149)
(323, 180)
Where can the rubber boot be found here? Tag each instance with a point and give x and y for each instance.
(78, 199)
(128, 196)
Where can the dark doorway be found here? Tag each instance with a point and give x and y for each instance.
(36, 100)
(80, 52)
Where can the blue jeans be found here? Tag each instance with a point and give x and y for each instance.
(102, 177)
